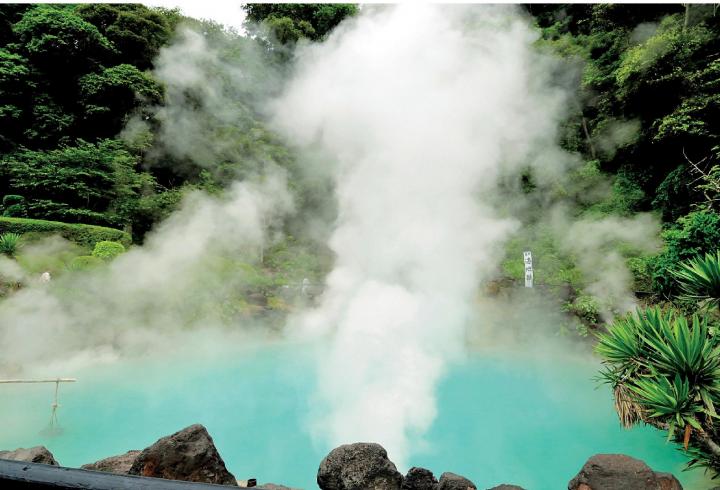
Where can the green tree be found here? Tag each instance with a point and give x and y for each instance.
(110, 96)
(14, 80)
(287, 23)
(136, 31)
(57, 40)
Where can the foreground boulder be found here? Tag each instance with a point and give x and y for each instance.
(114, 464)
(451, 481)
(359, 466)
(620, 472)
(188, 455)
(419, 479)
(37, 454)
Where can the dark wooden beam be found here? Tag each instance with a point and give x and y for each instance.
(20, 475)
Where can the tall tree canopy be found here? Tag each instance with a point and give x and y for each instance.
(289, 22)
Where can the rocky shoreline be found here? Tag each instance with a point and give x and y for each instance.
(191, 455)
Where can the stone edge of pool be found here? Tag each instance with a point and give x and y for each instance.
(188, 459)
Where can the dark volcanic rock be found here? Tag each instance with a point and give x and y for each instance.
(451, 481)
(668, 481)
(506, 487)
(620, 472)
(37, 454)
(359, 466)
(419, 479)
(188, 455)
(120, 464)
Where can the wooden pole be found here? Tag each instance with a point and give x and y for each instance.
(54, 380)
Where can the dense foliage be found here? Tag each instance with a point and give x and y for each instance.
(649, 115)
(664, 367)
(650, 119)
(73, 76)
(290, 22)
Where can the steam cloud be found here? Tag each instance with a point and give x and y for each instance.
(424, 109)
(171, 284)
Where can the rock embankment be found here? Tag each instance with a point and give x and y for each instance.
(365, 466)
(191, 455)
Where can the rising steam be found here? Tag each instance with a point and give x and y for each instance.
(423, 108)
(176, 282)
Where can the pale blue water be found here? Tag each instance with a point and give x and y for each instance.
(500, 420)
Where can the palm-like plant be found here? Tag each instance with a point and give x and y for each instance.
(665, 371)
(699, 279)
(9, 243)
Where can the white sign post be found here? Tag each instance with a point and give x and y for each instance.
(527, 258)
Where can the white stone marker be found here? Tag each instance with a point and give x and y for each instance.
(527, 258)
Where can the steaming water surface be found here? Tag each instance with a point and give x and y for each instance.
(499, 419)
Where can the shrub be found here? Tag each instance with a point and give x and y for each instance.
(9, 243)
(640, 268)
(107, 250)
(695, 234)
(585, 307)
(85, 235)
(14, 206)
(663, 369)
(11, 199)
(85, 262)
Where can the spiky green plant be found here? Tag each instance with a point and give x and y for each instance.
(665, 371)
(9, 243)
(699, 279)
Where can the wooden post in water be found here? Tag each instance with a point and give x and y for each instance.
(54, 427)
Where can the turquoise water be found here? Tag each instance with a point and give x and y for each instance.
(500, 420)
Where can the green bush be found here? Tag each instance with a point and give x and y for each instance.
(695, 234)
(640, 268)
(11, 199)
(107, 250)
(85, 235)
(14, 206)
(85, 262)
(9, 243)
(585, 307)
(663, 369)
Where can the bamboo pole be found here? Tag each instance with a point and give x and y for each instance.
(54, 380)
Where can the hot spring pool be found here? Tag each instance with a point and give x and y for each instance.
(526, 423)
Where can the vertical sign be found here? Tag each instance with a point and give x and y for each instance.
(527, 258)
